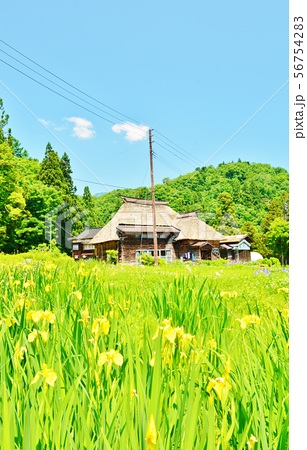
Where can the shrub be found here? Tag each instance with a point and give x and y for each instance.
(265, 262)
(215, 262)
(275, 261)
(162, 262)
(270, 262)
(112, 256)
(147, 260)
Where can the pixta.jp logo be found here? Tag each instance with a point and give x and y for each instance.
(59, 222)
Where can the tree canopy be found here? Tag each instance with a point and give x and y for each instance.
(235, 197)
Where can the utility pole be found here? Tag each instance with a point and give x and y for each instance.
(50, 232)
(154, 224)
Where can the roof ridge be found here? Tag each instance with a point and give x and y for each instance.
(142, 201)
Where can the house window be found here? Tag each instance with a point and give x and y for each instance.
(88, 247)
(163, 254)
(75, 247)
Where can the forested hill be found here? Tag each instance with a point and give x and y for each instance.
(233, 197)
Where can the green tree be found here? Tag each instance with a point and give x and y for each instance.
(18, 150)
(70, 188)
(278, 239)
(275, 210)
(4, 118)
(86, 203)
(12, 202)
(51, 173)
(258, 243)
(225, 204)
(250, 229)
(88, 198)
(40, 200)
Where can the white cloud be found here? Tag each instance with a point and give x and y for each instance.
(83, 128)
(133, 132)
(46, 123)
(51, 126)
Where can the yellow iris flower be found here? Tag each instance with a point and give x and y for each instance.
(85, 316)
(100, 325)
(251, 442)
(78, 294)
(220, 386)
(248, 320)
(20, 351)
(111, 357)
(32, 336)
(36, 316)
(48, 374)
(151, 434)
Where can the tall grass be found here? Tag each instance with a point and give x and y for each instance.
(99, 357)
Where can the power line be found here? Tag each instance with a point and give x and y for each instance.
(247, 121)
(118, 112)
(72, 101)
(87, 95)
(101, 184)
(177, 156)
(68, 84)
(185, 151)
(55, 92)
(51, 132)
(165, 162)
(58, 85)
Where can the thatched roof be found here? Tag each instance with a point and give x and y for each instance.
(141, 201)
(87, 233)
(192, 228)
(137, 214)
(236, 238)
(139, 229)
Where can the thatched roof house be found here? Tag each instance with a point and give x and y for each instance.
(130, 232)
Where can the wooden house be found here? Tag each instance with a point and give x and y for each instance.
(196, 240)
(180, 236)
(81, 246)
(236, 248)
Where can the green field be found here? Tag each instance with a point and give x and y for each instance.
(127, 357)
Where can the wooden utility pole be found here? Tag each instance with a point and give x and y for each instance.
(154, 224)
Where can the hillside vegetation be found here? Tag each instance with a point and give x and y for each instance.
(235, 197)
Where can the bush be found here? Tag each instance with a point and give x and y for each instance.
(270, 262)
(112, 256)
(162, 262)
(275, 261)
(147, 260)
(209, 262)
(265, 262)
(47, 248)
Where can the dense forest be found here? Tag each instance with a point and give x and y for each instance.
(236, 197)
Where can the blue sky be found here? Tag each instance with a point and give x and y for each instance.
(210, 79)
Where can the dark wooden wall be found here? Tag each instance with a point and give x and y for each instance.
(101, 249)
(244, 255)
(130, 245)
(184, 246)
